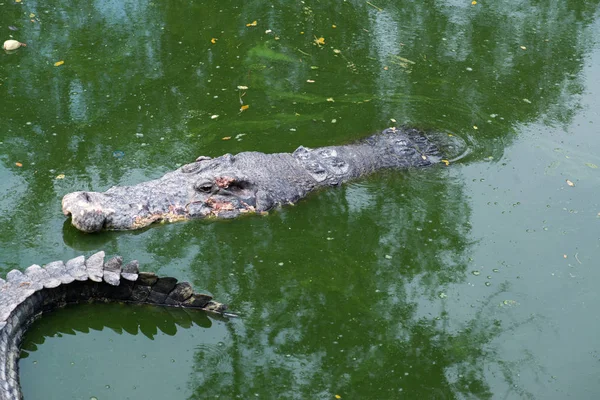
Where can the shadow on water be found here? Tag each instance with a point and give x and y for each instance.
(346, 293)
(119, 351)
(130, 319)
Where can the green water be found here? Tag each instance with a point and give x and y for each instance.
(476, 280)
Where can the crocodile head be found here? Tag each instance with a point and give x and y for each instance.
(206, 188)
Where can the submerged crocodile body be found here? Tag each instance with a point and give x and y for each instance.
(24, 297)
(252, 182)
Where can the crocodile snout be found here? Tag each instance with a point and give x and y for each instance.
(85, 214)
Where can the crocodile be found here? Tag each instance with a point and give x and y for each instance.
(25, 296)
(253, 182)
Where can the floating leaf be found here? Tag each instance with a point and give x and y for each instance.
(510, 303)
(17, 1)
(320, 41)
(475, 127)
(446, 162)
(227, 138)
(310, 81)
(523, 47)
(591, 165)
(59, 63)
(214, 116)
(570, 183)
(31, 15)
(61, 176)
(253, 23)
(18, 164)
(13, 28)
(527, 101)
(243, 87)
(337, 396)
(406, 60)
(244, 107)
(374, 6)
(213, 40)
(473, 3)
(333, 26)
(330, 99)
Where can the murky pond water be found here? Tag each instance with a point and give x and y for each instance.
(473, 280)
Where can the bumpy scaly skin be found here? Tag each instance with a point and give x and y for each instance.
(26, 296)
(248, 182)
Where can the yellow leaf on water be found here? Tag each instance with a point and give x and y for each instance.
(475, 127)
(473, 2)
(244, 107)
(523, 48)
(18, 164)
(337, 396)
(213, 40)
(330, 99)
(59, 63)
(570, 183)
(310, 81)
(17, 1)
(406, 60)
(446, 162)
(253, 23)
(320, 41)
(226, 138)
(31, 15)
(61, 176)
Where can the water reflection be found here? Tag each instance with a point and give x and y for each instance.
(116, 351)
(345, 293)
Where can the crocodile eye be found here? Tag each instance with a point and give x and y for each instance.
(204, 187)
